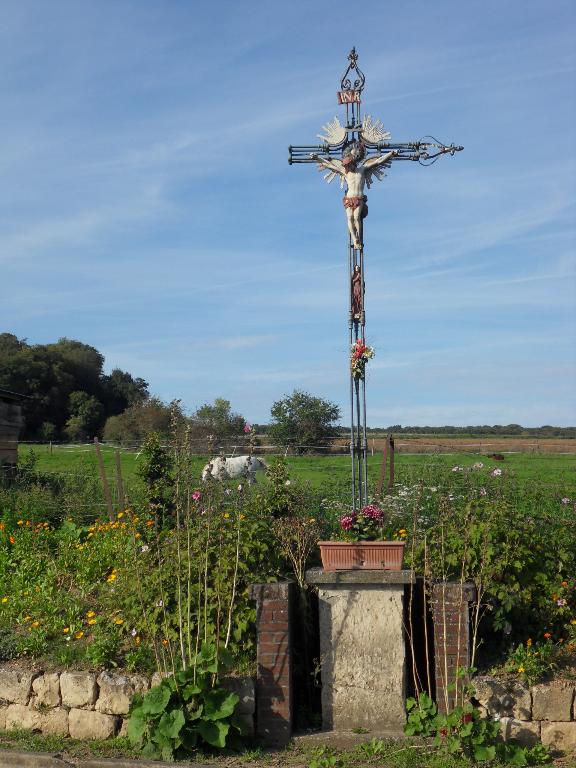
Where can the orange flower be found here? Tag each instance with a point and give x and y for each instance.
(12, 539)
(547, 635)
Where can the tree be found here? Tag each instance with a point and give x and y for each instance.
(50, 373)
(138, 421)
(121, 391)
(218, 420)
(85, 416)
(302, 420)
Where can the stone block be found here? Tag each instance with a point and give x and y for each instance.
(244, 687)
(85, 724)
(16, 686)
(123, 732)
(78, 689)
(157, 678)
(3, 716)
(561, 736)
(523, 731)
(363, 656)
(553, 701)
(116, 692)
(507, 698)
(247, 725)
(54, 722)
(47, 690)
(20, 717)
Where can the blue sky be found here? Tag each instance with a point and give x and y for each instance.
(147, 207)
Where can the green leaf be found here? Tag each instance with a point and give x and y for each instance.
(156, 700)
(484, 753)
(219, 704)
(214, 733)
(171, 723)
(190, 690)
(136, 728)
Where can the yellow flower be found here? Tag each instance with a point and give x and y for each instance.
(520, 669)
(112, 577)
(90, 614)
(20, 522)
(529, 642)
(35, 624)
(118, 620)
(78, 634)
(120, 515)
(242, 517)
(137, 536)
(66, 630)
(4, 599)
(227, 515)
(27, 618)
(572, 621)
(164, 642)
(137, 640)
(92, 622)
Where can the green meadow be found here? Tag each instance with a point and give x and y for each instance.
(556, 470)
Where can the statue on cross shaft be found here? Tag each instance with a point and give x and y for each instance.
(355, 172)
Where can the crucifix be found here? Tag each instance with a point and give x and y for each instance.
(358, 153)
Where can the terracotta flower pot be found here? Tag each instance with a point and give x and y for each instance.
(362, 555)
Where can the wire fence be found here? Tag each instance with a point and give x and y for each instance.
(337, 446)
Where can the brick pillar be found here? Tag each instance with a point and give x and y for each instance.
(450, 611)
(274, 656)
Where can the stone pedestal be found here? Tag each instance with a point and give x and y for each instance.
(363, 648)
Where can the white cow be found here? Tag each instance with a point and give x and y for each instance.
(222, 468)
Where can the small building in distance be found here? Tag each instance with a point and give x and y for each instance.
(11, 421)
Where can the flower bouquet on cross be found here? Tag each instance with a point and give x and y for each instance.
(359, 356)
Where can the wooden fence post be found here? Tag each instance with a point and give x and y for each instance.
(105, 486)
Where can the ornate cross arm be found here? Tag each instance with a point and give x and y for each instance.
(424, 152)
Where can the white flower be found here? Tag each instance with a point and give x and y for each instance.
(227, 491)
(496, 472)
(134, 632)
(477, 465)
(456, 469)
(287, 482)
(160, 603)
(565, 500)
(240, 487)
(145, 548)
(483, 492)
(496, 717)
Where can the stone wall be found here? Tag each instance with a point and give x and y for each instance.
(543, 712)
(86, 705)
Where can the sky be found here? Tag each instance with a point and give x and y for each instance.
(147, 207)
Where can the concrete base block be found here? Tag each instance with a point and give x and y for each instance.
(362, 646)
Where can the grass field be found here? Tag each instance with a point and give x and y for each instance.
(558, 470)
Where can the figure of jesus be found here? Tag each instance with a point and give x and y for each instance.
(355, 172)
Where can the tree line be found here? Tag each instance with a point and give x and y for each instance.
(69, 397)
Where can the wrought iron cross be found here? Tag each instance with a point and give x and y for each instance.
(358, 152)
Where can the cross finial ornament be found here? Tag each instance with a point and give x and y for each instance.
(358, 152)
